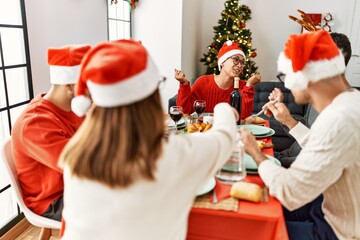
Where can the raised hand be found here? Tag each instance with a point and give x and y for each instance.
(180, 76)
(254, 79)
(276, 94)
(281, 113)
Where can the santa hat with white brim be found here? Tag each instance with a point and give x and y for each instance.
(116, 74)
(311, 56)
(228, 49)
(64, 63)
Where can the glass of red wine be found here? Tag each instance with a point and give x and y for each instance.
(176, 113)
(199, 107)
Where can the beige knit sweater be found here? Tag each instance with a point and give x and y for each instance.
(329, 163)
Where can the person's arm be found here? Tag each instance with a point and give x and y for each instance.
(187, 95)
(247, 91)
(247, 104)
(180, 76)
(320, 164)
(44, 140)
(253, 80)
(218, 141)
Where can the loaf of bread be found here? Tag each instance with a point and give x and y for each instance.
(246, 191)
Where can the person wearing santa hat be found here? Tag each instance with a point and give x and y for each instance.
(42, 130)
(217, 88)
(329, 163)
(124, 179)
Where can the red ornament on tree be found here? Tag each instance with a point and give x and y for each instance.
(254, 54)
(243, 25)
(213, 44)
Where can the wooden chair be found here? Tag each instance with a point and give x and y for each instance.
(44, 223)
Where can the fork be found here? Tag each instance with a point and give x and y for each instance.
(214, 198)
(252, 117)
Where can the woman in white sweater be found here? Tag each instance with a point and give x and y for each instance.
(123, 178)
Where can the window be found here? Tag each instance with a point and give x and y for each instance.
(119, 20)
(15, 91)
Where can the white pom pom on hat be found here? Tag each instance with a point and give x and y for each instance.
(64, 63)
(311, 56)
(228, 49)
(80, 105)
(115, 73)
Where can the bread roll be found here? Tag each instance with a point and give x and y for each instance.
(258, 120)
(246, 191)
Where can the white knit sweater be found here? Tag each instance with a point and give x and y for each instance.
(329, 163)
(150, 210)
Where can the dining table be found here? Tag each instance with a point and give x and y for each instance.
(246, 220)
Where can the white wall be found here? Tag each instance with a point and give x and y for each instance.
(158, 24)
(57, 23)
(191, 26)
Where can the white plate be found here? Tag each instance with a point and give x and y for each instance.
(207, 187)
(257, 130)
(272, 132)
(250, 164)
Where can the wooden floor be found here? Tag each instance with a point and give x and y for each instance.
(32, 233)
(25, 231)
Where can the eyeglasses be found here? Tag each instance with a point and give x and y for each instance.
(162, 82)
(237, 60)
(281, 77)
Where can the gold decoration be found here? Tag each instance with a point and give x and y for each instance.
(234, 27)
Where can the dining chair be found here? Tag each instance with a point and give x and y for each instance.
(46, 224)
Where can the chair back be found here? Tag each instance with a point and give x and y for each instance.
(9, 166)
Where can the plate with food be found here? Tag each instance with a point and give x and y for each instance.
(207, 187)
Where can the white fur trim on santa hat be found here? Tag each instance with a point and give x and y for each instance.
(80, 105)
(313, 71)
(229, 54)
(63, 75)
(127, 91)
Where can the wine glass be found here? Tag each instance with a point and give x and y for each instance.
(199, 107)
(176, 113)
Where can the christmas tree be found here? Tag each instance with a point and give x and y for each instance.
(232, 27)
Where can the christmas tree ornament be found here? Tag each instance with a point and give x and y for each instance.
(208, 59)
(328, 22)
(234, 27)
(254, 54)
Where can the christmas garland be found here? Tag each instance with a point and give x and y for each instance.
(132, 2)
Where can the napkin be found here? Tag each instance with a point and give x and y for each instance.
(222, 191)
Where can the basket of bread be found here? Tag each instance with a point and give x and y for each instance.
(198, 127)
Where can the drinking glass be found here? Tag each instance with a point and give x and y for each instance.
(234, 169)
(199, 107)
(176, 113)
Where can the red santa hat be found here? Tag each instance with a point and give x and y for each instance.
(64, 63)
(311, 56)
(115, 73)
(228, 49)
